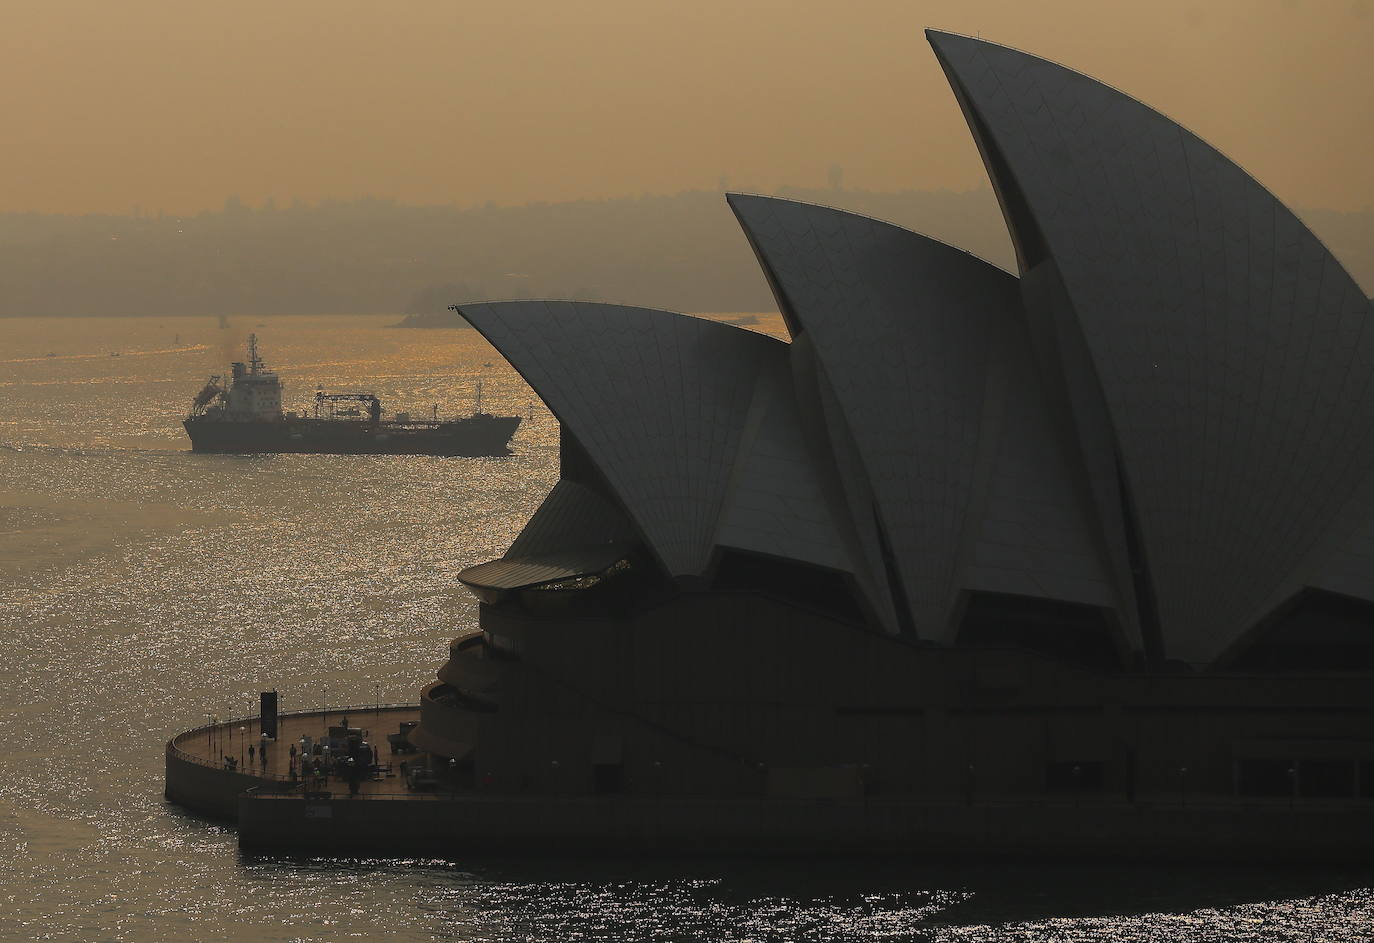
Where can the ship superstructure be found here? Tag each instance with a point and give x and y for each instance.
(245, 415)
(253, 393)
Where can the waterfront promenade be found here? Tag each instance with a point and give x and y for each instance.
(200, 778)
(276, 816)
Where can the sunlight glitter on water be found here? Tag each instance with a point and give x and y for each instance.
(142, 587)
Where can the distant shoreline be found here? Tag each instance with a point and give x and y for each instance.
(434, 319)
(730, 316)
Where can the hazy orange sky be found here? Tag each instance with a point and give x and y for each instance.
(176, 105)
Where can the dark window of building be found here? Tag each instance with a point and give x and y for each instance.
(1314, 631)
(1326, 778)
(1264, 777)
(810, 586)
(1065, 630)
(1075, 776)
(1146, 605)
(608, 778)
(894, 580)
(619, 589)
(1366, 770)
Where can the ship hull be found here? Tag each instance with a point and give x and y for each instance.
(475, 436)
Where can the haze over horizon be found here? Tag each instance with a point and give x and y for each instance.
(169, 107)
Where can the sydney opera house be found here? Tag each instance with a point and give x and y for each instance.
(1102, 527)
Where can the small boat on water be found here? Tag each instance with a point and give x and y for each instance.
(246, 416)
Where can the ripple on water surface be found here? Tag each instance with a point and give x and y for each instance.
(142, 587)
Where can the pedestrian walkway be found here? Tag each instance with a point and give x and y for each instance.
(216, 745)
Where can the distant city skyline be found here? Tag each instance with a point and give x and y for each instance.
(168, 107)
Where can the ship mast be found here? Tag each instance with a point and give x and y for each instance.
(254, 361)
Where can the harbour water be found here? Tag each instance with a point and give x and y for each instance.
(144, 588)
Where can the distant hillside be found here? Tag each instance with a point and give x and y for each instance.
(429, 307)
(438, 319)
(682, 252)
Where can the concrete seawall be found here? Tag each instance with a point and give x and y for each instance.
(465, 825)
(207, 790)
(387, 820)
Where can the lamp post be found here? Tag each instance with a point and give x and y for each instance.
(208, 730)
(453, 776)
(243, 737)
(1182, 786)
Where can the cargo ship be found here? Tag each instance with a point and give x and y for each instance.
(245, 415)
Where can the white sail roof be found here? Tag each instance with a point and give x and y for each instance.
(927, 352)
(1169, 415)
(1231, 351)
(690, 422)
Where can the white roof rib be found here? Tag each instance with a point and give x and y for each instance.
(679, 414)
(928, 359)
(1232, 350)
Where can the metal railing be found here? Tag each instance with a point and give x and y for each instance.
(173, 750)
(1147, 806)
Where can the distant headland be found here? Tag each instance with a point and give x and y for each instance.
(429, 307)
(432, 319)
(367, 256)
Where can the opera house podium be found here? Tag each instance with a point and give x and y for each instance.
(1075, 558)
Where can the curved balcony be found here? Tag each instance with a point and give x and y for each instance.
(447, 726)
(472, 672)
